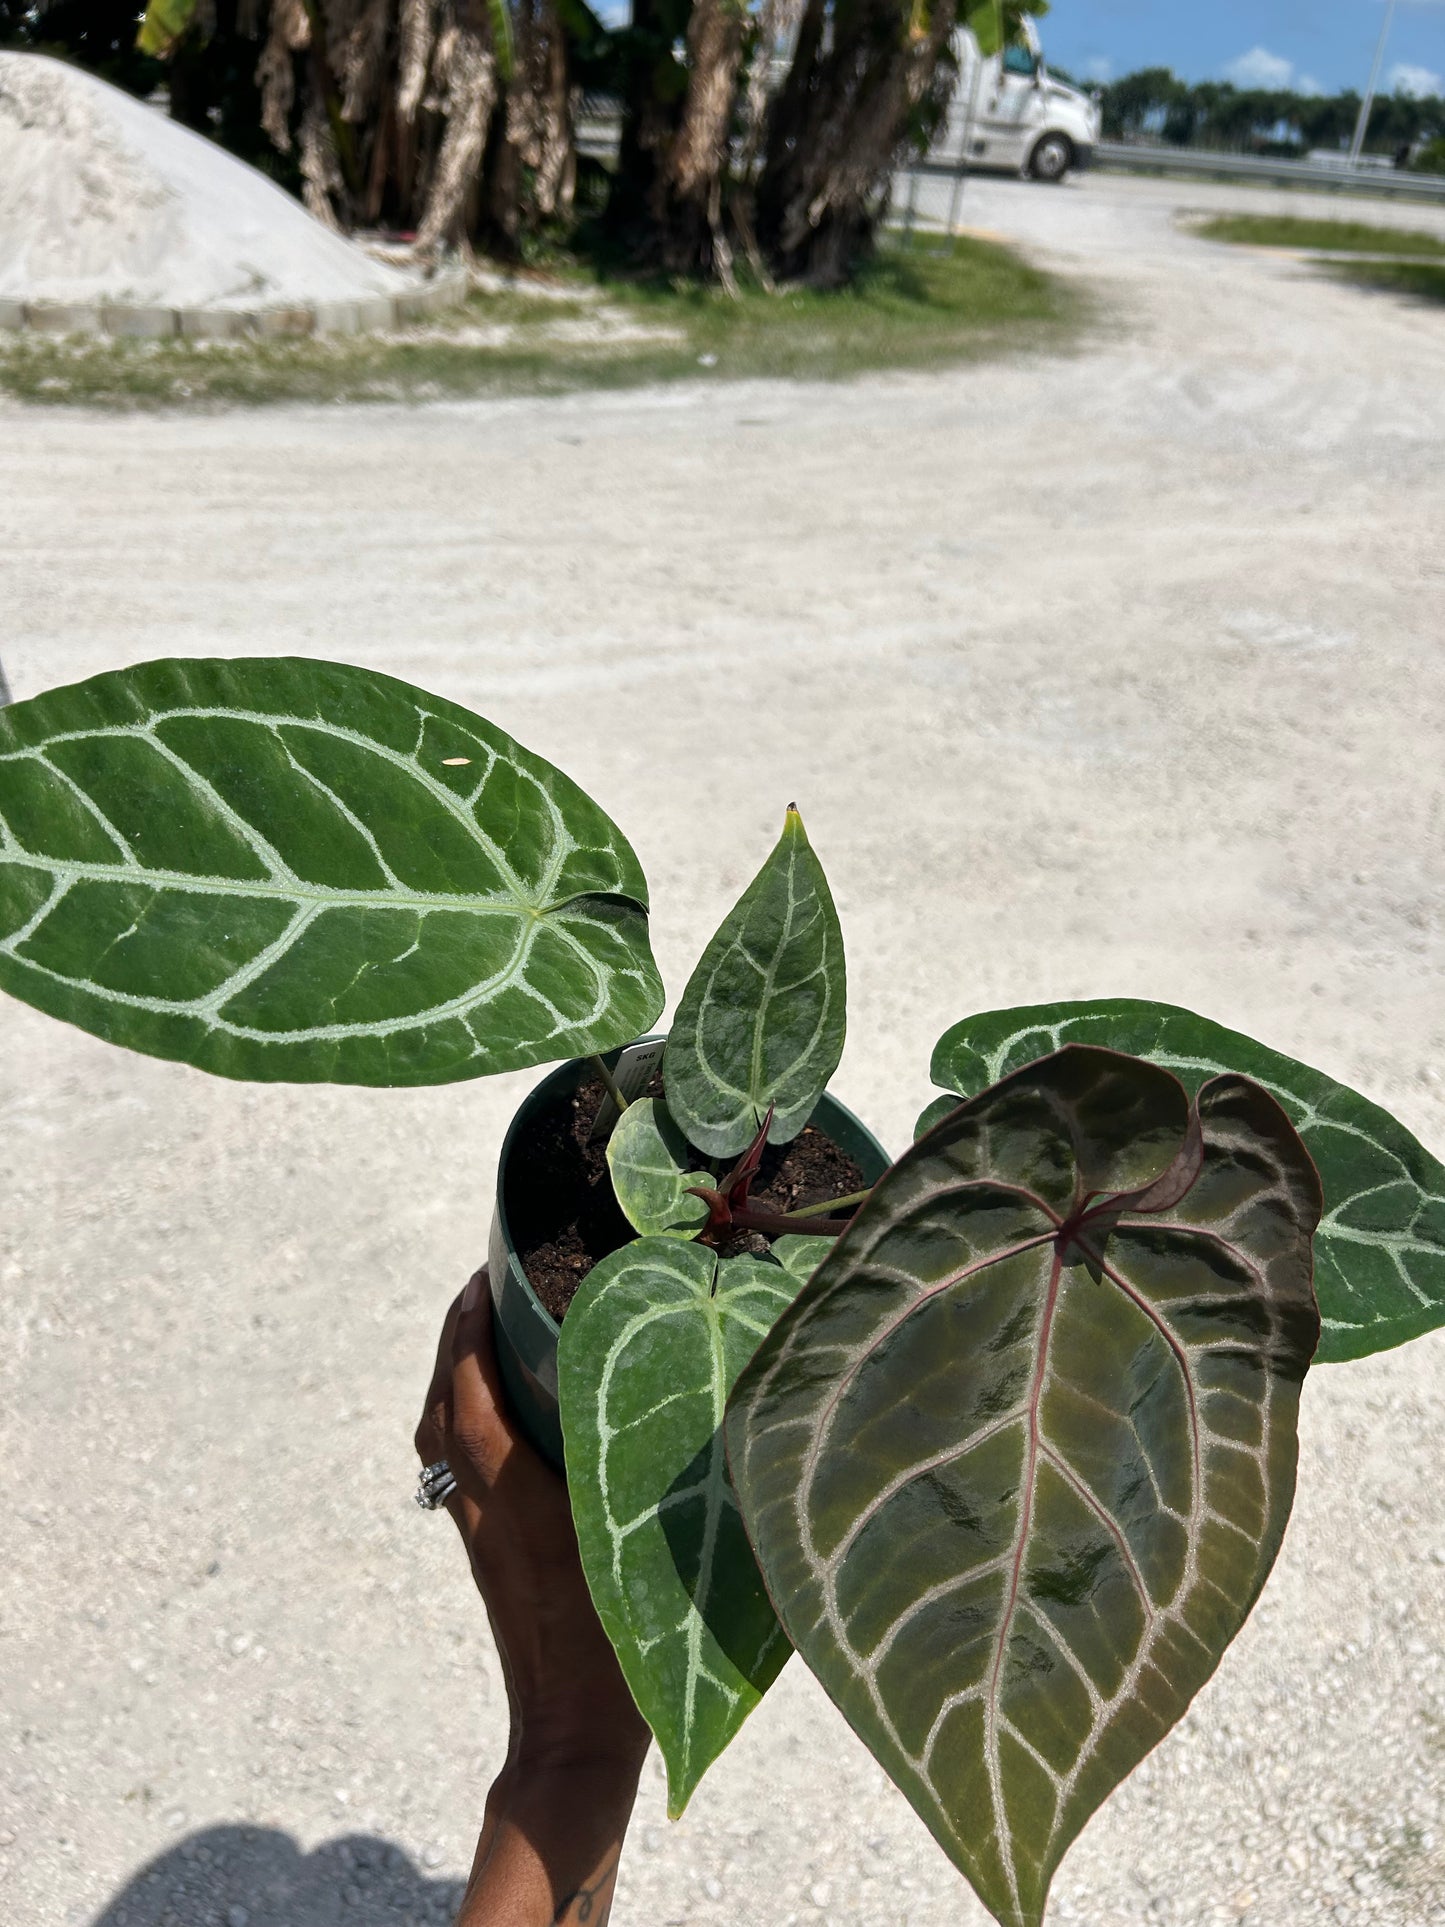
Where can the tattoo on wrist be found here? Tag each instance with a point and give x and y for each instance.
(592, 1904)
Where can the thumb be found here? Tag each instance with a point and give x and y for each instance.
(479, 1407)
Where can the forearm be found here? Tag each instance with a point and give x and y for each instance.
(551, 1838)
(550, 1846)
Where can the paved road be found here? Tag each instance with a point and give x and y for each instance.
(1114, 671)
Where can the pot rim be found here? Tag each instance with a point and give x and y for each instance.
(509, 1143)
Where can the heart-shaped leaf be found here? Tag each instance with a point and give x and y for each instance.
(1018, 1459)
(296, 870)
(801, 1256)
(763, 1017)
(1380, 1248)
(649, 1350)
(647, 1157)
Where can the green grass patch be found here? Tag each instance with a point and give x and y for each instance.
(1425, 280)
(1337, 237)
(923, 303)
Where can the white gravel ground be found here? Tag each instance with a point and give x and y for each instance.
(1118, 671)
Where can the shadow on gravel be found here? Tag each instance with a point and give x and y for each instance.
(258, 1877)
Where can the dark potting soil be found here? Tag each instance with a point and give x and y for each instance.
(563, 1215)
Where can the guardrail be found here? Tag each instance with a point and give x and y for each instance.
(598, 130)
(1322, 177)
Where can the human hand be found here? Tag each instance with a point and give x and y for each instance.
(569, 1701)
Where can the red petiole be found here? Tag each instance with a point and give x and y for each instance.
(730, 1208)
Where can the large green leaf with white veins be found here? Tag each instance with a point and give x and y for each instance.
(1380, 1248)
(1018, 1459)
(649, 1350)
(763, 1017)
(295, 870)
(647, 1156)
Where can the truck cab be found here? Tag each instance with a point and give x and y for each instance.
(1009, 115)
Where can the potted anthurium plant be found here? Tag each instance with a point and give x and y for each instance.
(1000, 1437)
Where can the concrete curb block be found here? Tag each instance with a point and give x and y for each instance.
(152, 324)
(208, 324)
(63, 317)
(368, 314)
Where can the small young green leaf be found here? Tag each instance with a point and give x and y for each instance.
(1380, 1248)
(292, 870)
(649, 1350)
(648, 1158)
(1019, 1457)
(763, 1017)
(801, 1256)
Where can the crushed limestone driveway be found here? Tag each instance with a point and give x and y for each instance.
(1115, 671)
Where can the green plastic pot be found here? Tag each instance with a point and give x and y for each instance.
(526, 1332)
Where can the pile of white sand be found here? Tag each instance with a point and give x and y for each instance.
(105, 200)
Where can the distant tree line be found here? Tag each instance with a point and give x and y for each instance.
(1155, 104)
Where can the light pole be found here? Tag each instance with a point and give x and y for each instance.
(965, 152)
(1362, 125)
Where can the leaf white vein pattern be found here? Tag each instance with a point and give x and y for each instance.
(648, 1159)
(762, 1019)
(268, 888)
(1018, 1459)
(649, 1350)
(1380, 1247)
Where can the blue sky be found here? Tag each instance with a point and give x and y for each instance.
(1309, 44)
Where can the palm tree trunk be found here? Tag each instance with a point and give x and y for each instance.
(837, 129)
(464, 70)
(648, 123)
(688, 191)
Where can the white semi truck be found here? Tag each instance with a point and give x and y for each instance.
(1009, 115)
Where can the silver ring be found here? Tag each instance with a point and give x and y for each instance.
(435, 1486)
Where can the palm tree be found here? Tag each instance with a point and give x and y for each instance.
(761, 129)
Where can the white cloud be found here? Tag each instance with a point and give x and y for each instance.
(1419, 83)
(1307, 84)
(1099, 67)
(1260, 68)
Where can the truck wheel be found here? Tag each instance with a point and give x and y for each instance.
(1052, 158)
